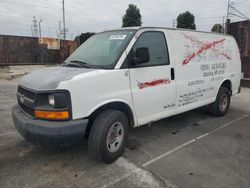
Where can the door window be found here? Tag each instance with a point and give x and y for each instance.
(156, 43)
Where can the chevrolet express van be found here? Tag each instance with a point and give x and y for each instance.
(126, 78)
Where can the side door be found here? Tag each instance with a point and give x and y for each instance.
(152, 84)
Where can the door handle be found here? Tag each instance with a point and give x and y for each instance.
(172, 74)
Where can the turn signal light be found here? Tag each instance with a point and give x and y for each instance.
(52, 115)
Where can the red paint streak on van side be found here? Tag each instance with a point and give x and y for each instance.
(204, 48)
(195, 40)
(153, 83)
(225, 55)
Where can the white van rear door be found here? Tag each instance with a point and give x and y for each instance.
(153, 89)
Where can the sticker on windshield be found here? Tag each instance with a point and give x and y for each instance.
(117, 37)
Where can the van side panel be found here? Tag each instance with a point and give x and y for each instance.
(203, 61)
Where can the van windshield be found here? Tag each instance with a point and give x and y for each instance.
(101, 50)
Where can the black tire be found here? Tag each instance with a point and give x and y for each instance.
(98, 138)
(222, 102)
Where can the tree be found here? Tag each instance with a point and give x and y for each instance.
(186, 20)
(83, 37)
(217, 28)
(132, 16)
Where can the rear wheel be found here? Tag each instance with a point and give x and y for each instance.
(222, 103)
(108, 136)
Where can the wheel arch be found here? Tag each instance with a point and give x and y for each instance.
(116, 105)
(227, 83)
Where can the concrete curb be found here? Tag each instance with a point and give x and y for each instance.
(245, 83)
(11, 76)
(12, 72)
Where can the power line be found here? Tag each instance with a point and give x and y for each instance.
(34, 26)
(14, 22)
(232, 14)
(211, 17)
(241, 2)
(32, 2)
(26, 4)
(209, 21)
(232, 11)
(23, 22)
(243, 15)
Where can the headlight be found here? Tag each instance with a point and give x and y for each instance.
(53, 106)
(51, 99)
(58, 100)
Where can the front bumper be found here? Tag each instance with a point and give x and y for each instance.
(49, 133)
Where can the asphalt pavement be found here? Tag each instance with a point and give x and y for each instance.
(190, 150)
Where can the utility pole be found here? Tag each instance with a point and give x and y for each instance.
(32, 31)
(35, 27)
(64, 29)
(227, 19)
(174, 23)
(223, 24)
(228, 8)
(40, 30)
(60, 30)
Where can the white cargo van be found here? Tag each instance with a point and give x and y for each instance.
(126, 78)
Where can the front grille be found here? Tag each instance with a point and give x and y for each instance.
(26, 109)
(26, 100)
(27, 93)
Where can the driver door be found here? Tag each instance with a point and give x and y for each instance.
(152, 86)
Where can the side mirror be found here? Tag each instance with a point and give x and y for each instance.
(141, 55)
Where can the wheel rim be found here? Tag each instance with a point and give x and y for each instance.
(223, 102)
(115, 137)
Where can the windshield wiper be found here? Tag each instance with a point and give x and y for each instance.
(78, 63)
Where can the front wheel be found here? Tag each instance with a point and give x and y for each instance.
(108, 136)
(222, 103)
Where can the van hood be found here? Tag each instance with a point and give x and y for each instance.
(50, 77)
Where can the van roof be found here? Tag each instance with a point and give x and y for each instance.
(179, 29)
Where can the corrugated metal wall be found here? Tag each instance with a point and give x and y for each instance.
(15, 50)
(241, 32)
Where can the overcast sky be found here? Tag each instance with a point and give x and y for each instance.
(98, 15)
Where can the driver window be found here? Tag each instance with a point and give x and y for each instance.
(157, 47)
